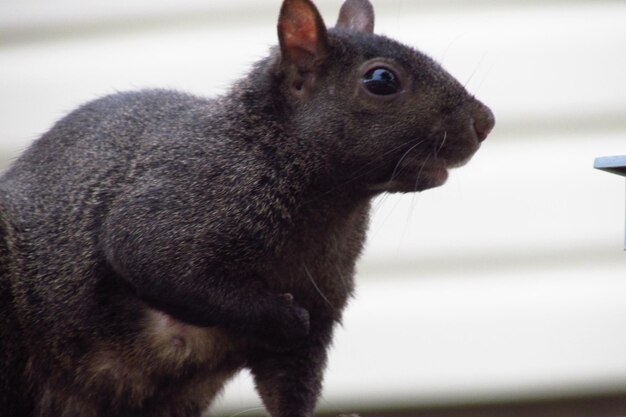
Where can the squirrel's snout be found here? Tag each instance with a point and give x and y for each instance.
(484, 121)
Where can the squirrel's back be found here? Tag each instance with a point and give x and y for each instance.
(107, 133)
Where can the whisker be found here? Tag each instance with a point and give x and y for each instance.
(247, 410)
(385, 196)
(487, 73)
(359, 172)
(316, 287)
(418, 156)
(443, 142)
(393, 174)
(342, 278)
(443, 56)
(385, 154)
(411, 209)
(482, 58)
(334, 406)
(419, 174)
(381, 224)
(380, 201)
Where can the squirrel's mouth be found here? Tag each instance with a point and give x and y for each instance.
(419, 173)
(425, 164)
(414, 176)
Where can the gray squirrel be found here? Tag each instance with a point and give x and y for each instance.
(154, 243)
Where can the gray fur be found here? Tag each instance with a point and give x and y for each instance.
(154, 243)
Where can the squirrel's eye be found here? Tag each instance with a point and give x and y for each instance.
(381, 81)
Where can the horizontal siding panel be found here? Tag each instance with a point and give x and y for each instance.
(504, 283)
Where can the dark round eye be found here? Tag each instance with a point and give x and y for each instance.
(381, 81)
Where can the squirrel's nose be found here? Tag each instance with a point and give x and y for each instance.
(484, 121)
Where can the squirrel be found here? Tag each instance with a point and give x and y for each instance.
(155, 243)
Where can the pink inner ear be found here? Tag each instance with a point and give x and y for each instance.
(299, 30)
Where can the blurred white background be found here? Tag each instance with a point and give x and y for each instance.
(507, 283)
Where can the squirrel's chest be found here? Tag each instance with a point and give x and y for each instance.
(317, 264)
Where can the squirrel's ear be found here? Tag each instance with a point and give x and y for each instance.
(356, 15)
(302, 35)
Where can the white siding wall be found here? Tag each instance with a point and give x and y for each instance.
(509, 281)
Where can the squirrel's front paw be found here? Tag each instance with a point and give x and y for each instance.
(286, 326)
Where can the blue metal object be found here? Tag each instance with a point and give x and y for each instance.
(615, 165)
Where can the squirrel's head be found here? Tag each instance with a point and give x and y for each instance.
(389, 117)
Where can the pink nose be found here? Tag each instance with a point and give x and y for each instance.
(484, 121)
